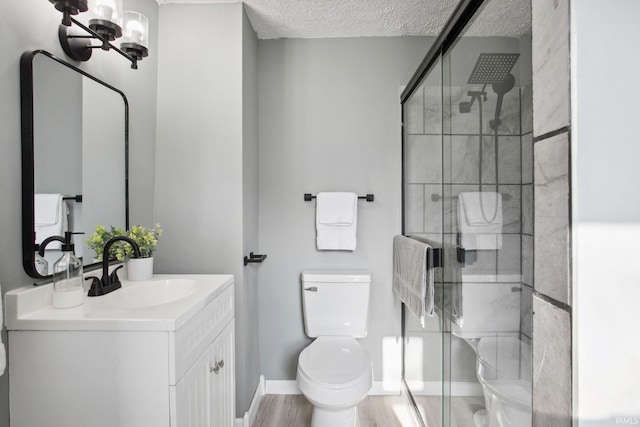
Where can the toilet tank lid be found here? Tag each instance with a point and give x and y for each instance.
(336, 276)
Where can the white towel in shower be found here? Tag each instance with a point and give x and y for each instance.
(3, 352)
(480, 220)
(51, 213)
(412, 280)
(336, 221)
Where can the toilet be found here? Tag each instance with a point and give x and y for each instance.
(335, 371)
(491, 326)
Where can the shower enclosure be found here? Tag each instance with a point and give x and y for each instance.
(468, 189)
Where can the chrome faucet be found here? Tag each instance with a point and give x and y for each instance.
(110, 282)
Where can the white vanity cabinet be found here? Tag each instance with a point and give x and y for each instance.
(201, 397)
(170, 365)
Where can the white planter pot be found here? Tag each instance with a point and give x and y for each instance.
(140, 268)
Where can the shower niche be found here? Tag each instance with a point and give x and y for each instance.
(468, 188)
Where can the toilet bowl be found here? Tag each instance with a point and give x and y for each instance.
(491, 326)
(335, 371)
(504, 371)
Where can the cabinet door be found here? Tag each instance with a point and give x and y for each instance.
(222, 356)
(192, 396)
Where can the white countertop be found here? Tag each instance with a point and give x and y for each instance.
(30, 308)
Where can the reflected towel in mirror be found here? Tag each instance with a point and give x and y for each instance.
(50, 214)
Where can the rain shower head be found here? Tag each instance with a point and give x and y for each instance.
(492, 68)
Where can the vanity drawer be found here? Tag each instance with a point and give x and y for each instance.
(189, 342)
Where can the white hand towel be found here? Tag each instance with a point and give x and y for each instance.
(47, 208)
(412, 281)
(51, 217)
(3, 353)
(336, 208)
(336, 221)
(480, 220)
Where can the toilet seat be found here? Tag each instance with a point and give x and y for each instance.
(335, 372)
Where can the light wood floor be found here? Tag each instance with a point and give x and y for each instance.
(461, 410)
(374, 411)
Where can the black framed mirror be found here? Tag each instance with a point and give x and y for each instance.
(75, 139)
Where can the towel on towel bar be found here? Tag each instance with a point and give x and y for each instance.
(412, 280)
(336, 221)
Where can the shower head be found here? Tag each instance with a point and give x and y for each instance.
(492, 68)
(505, 85)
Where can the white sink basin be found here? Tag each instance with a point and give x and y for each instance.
(149, 293)
(162, 303)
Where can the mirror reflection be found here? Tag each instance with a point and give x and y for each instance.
(78, 166)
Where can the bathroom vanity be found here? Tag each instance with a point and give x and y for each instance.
(158, 353)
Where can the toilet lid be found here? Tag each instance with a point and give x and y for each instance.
(335, 362)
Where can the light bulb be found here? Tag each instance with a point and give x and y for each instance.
(108, 10)
(135, 31)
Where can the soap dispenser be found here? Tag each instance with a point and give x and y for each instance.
(67, 277)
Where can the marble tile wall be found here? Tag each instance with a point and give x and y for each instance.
(468, 160)
(551, 189)
(551, 365)
(526, 219)
(551, 331)
(460, 152)
(550, 60)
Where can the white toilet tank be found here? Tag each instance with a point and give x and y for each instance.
(335, 303)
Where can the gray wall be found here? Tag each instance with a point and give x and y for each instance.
(248, 369)
(606, 212)
(29, 25)
(205, 152)
(329, 121)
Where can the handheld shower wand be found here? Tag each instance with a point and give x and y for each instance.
(491, 69)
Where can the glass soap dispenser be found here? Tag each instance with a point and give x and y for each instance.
(67, 277)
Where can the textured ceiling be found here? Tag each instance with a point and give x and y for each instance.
(368, 18)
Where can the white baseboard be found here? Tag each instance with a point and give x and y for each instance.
(380, 388)
(282, 387)
(434, 388)
(250, 416)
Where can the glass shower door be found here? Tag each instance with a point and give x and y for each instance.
(468, 189)
(423, 219)
(487, 157)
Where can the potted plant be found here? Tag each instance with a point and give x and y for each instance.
(147, 239)
(101, 236)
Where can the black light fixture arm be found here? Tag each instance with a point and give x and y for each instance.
(78, 46)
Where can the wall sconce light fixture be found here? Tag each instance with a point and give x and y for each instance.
(107, 23)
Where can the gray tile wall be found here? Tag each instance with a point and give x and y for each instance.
(461, 153)
(551, 325)
(551, 365)
(526, 219)
(550, 59)
(551, 192)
